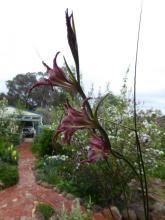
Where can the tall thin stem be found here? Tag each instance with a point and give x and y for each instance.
(82, 94)
(142, 172)
(141, 175)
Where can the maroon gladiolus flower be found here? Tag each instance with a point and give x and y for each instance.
(56, 77)
(74, 121)
(42, 82)
(98, 149)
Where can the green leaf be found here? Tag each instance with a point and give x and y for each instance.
(69, 70)
(98, 105)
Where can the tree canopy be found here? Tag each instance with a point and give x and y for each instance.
(18, 91)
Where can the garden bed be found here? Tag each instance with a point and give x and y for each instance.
(87, 181)
(8, 175)
(8, 165)
(46, 211)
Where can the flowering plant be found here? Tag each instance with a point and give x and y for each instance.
(76, 119)
(100, 143)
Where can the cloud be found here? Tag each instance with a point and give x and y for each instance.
(153, 100)
(106, 31)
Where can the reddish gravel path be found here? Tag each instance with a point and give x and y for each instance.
(16, 203)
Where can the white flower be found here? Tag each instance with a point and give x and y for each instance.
(87, 148)
(146, 124)
(57, 157)
(79, 153)
(77, 166)
(145, 138)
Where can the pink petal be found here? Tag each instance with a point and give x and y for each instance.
(42, 82)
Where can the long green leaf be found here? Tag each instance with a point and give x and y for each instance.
(98, 105)
(69, 70)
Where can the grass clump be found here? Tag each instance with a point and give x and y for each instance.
(43, 144)
(8, 174)
(75, 214)
(159, 172)
(45, 210)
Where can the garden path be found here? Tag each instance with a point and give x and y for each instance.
(17, 202)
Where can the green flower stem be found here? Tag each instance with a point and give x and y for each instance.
(115, 153)
(143, 183)
(82, 94)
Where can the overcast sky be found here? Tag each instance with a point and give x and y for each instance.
(107, 33)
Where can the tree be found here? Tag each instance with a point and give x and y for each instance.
(43, 97)
(18, 87)
(2, 95)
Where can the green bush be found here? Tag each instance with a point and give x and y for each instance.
(8, 152)
(9, 137)
(47, 169)
(159, 171)
(75, 213)
(3, 145)
(9, 128)
(43, 143)
(109, 184)
(15, 138)
(94, 180)
(8, 174)
(45, 210)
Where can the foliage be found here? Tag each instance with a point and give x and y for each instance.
(75, 214)
(9, 128)
(8, 174)
(45, 210)
(43, 144)
(105, 184)
(93, 180)
(56, 115)
(159, 170)
(8, 152)
(102, 183)
(51, 114)
(8, 163)
(115, 115)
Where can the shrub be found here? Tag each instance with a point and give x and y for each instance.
(49, 167)
(9, 128)
(8, 152)
(48, 212)
(159, 171)
(90, 180)
(75, 214)
(8, 163)
(8, 174)
(43, 143)
(45, 210)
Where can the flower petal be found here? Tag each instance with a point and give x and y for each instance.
(41, 82)
(73, 121)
